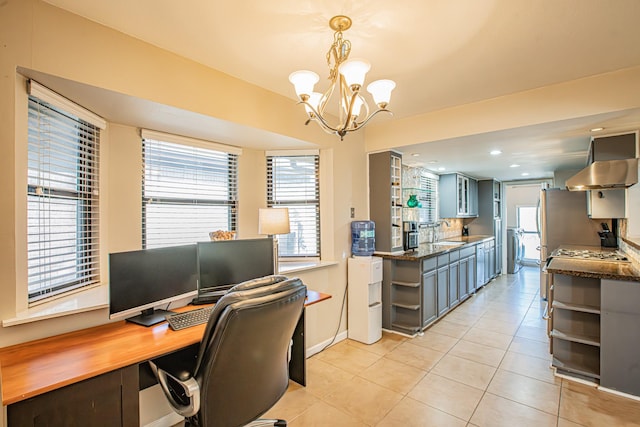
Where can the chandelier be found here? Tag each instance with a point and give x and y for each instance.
(347, 78)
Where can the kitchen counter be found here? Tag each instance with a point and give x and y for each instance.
(428, 250)
(629, 271)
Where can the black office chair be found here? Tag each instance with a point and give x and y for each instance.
(240, 369)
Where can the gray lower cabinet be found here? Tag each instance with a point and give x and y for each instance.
(429, 297)
(454, 273)
(620, 336)
(595, 331)
(463, 278)
(416, 292)
(443, 290)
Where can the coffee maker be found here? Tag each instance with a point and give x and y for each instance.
(410, 235)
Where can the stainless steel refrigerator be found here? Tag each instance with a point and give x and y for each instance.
(563, 220)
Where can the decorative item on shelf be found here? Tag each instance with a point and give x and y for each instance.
(413, 201)
(222, 235)
(346, 77)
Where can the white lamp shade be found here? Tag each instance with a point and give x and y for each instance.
(273, 221)
(381, 91)
(303, 81)
(354, 71)
(357, 106)
(314, 100)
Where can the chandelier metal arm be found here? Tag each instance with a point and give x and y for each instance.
(346, 79)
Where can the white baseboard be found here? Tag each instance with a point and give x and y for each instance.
(619, 393)
(319, 347)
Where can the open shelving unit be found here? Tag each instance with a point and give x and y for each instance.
(575, 330)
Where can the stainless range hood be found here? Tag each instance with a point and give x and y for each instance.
(605, 174)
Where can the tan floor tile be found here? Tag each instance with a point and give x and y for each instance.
(461, 318)
(591, 407)
(449, 328)
(435, 341)
(416, 356)
(465, 371)
(528, 391)
(495, 411)
(394, 375)
(295, 401)
(538, 334)
(514, 318)
(348, 357)
(529, 366)
(384, 345)
(322, 415)
(364, 400)
(488, 338)
(530, 347)
(478, 353)
(323, 377)
(410, 413)
(566, 423)
(449, 396)
(495, 325)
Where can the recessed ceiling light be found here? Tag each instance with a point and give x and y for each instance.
(525, 173)
(415, 154)
(514, 166)
(495, 152)
(596, 129)
(433, 162)
(441, 168)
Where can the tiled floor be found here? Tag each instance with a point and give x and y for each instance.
(485, 364)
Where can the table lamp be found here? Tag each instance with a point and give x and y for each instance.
(274, 221)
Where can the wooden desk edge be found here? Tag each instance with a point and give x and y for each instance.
(9, 355)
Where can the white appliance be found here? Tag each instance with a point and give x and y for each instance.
(563, 220)
(364, 307)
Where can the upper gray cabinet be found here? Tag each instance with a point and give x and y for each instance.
(458, 196)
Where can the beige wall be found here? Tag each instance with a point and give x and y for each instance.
(37, 36)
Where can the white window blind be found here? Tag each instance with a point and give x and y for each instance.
(188, 191)
(62, 199)
(428, 198)
(293, 181)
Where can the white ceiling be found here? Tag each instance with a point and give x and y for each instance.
(441, 53)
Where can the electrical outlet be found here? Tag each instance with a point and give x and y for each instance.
(353, 212)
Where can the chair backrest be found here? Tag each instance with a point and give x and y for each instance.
(242, 365)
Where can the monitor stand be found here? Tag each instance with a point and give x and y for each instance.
(150, 317)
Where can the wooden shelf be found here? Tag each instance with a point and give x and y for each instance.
(576, 307)
(582, 339)
(575, 357)
(412, 329)
(406, 284)
(407, 306)
(576, 368)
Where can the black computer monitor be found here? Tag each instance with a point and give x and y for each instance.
(224, 263)
(140, 281)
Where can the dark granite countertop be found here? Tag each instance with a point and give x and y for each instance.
(428, 250)
(629, 271)
(593, 268)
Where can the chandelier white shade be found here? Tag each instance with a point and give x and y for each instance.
(347, 77)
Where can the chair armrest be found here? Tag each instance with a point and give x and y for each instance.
(183, 395)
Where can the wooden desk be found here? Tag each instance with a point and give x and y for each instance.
(37, 367)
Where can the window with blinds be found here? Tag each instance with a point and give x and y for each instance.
(188, 192)
(293, 181)
(62, 201)
(428, 197)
